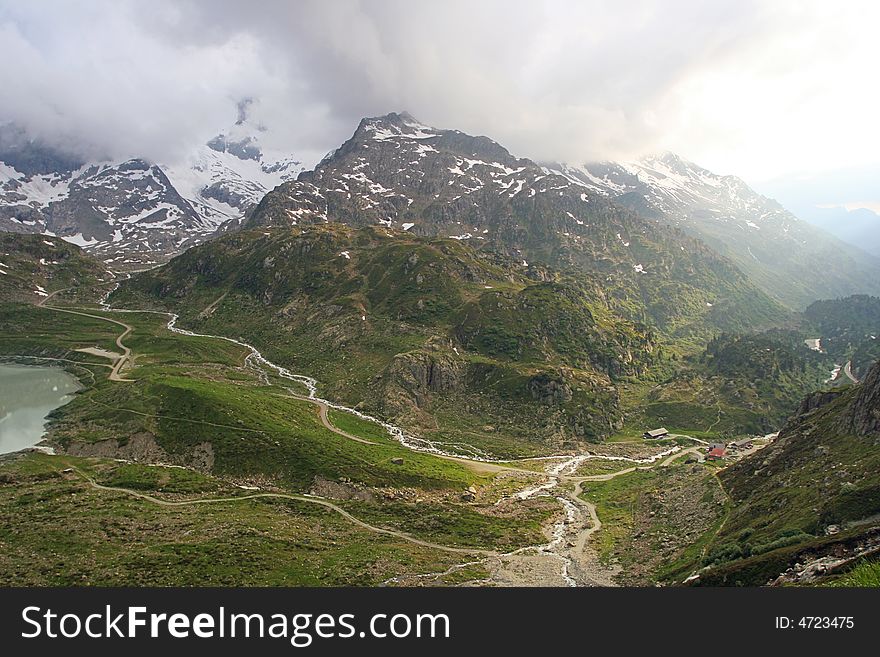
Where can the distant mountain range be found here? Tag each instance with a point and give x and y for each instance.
(791, 260)
(859, 227)
(625, 222)
(135, 213)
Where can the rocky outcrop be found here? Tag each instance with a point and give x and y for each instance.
(344, 489)
(202, 457)
(141, 447)
(863, 416)
(548, 390)
(816, 400)
(420, 374)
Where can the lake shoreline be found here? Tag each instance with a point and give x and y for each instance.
(29, 393)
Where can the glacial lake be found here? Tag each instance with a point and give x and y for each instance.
(27, 395)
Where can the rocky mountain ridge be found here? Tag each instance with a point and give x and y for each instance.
(791, 260)
(399, 173)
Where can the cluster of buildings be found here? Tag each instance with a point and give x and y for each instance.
(715, 451)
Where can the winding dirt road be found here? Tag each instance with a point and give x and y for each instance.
(847, 369)
(126, 352)
(298, 498)
(323, 411)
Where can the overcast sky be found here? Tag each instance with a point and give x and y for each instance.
(765, 90)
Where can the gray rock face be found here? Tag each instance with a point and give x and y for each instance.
(863, 417)
(420, 374)
(549, 391)
(141, 447)
(397, 171)
(815, 401)
(340, 490)
(243, 149)
(220, 191)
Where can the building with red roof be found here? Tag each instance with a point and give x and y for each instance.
(716, 453)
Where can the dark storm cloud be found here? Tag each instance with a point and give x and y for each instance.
(722, 81)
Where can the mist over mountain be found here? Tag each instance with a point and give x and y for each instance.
(844, 202)
(136, 213)
(859, 228)
(779, 251)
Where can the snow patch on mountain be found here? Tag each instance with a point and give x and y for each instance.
(140, 213)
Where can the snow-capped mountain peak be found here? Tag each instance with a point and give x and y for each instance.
(394, 125)
(230, 173)
(133, 212)
(673, 186)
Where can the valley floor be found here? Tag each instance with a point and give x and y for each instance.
(236, 472)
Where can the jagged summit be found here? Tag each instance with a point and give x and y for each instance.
(394, 125)
(404, 126)
(242, 139)
(399, 173)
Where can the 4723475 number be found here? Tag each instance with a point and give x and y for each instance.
(815, 623)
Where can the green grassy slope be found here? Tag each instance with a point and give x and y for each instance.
(431, 332)
(192, 402)
(56, 530)
(32, 266)
(822, 471)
